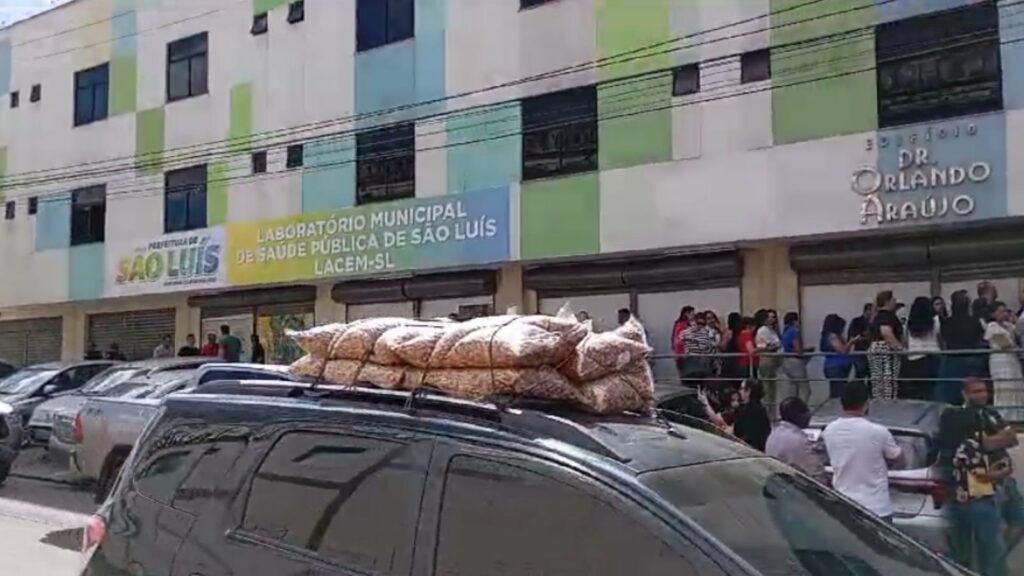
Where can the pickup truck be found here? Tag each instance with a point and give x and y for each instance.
(106, 429)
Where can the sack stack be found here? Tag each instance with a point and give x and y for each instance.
(542, 357)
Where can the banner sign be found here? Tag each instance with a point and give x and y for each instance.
(422, 233)
(183, 261)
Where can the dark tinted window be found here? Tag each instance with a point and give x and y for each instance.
(784, 523)
(354, 500)
(532, 3)
(91, 93)
(939, 66)
(560, 133)
(187, 67)
(240, 374)
(15, 99)
(686, 80)
(162, 475)
(498, 519)
(10, 209)
(88, 215)
(755, 66)
(380, 22)
(294, 156)
(296, 11)
(259, 162)
(185, 199)
(386, 164)
(259, 24)
(206, 472)
(33, 205)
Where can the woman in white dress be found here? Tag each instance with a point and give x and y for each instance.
(1007, 380)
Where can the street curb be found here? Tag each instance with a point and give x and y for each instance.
(36, 478)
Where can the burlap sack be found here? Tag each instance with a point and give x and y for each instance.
(477, 384)
(309, 366)
(506, 342)
(605, 353)
(413, 344)
(353, 372)
(631, 390)
(317, 340)
(359, 339)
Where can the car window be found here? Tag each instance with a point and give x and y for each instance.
(241, 374)
(353, 500)
(200, 484)
(103, 381)
(162, 475)
(26, 380)
(782, 522)
(498, 519)
(917, 451)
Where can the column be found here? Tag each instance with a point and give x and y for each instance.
(768, 279)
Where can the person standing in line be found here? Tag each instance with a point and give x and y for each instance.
(114, 353)
(752, 422)
(1004, 365)
(918, 372)
(230, 345)
(768, 345)
(164, 349)
(746, 363)
(259, 354)
(92, 352)
(211, 349)
(700, 350)
(860, 452)
(860, 334)
(678, 346)
(189, 349)
(837, 361)
(984, 305)
(960, 332)
(730, 350)
(941, 312)
(790, 444)
(794, 368)
(886, 344)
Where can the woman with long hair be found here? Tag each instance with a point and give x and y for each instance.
(730, 350)
(837, 349)
(1004, 366)
(678, 347)
(918, 372)
(752, 422)
(961, 331)
(886, 344)
(794, 364)
(768, 343)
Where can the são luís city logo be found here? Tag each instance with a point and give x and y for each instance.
(185, 260)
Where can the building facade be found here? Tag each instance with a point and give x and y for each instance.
(168, 167)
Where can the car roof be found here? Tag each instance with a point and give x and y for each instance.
(61, 365)
(165, 363)
(912, 415)
(637, 443)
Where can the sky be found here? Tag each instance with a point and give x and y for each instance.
(13, 10)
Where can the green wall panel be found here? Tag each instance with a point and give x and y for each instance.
(3, 169)
(85, 271)
(217, 193)
(824, 87)
(261, 6)
(149, 140)
(124, 80)
(636, 122)
(240, 130)
(560, 217)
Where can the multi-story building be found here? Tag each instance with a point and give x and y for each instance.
(172, 166)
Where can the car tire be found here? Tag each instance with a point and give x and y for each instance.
(108, 475)
(7, 457)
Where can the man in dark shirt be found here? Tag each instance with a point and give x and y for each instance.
(230, 345)
(259, 354)
(93, 353)
(189, 349)
(861, 326)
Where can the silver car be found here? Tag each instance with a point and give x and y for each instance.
(915, 487)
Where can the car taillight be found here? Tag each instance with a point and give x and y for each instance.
(76, 432)
(95, 531)
(927, 487)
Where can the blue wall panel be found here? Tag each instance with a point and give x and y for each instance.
(329, 179)
(53, 222)
(484, 148)
(85, 272)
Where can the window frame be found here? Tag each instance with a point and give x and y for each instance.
(85, 210)
(528, 4)
(15, 101)
(677, 74)
(746, 76)
(260, 24)
(392, 140)
(33, 205)
(36, 93)
(201, 188)
(93, 115)
(388, 36)
(259, 162)
(531, 107)
(296, 11)
(295, 156)
(190, 59)
(10, 210)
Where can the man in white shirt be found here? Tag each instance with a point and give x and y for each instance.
(860, 452)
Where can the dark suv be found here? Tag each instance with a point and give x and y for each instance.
(294, 480)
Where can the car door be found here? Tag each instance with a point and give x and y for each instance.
(323, 500)
(498, 513)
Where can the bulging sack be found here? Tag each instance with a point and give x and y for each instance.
(605, 353)
(631, 390)
(478, 383)
(309, 365)
(317, 340)
(506, 342)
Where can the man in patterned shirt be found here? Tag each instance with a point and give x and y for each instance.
(699, 343)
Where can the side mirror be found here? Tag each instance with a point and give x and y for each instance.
(50, 389)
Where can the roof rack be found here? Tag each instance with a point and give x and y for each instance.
(528, 418)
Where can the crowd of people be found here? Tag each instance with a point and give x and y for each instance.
(227, 348)
(923, 351)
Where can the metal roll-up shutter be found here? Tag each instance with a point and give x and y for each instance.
(446, 286)
(861, 261)
(970, 257)
(255, 297)
(25, 342)
(137, 332)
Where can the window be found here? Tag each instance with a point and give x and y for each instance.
(502, 519)
(755, 66)
(294, 156)
(686, 80)
(386, 164)
(354, 500)
(259, 24)
(88, 215)
(15, 99)
(37, 93)
(296, 11)
(939, 66)
(185, 199)
(380, 22)
(560, 133)
(259, 162)
(33, 205)
(9, 210)
(199, 486)
(187, 67)
(531, 3)
(91, 89)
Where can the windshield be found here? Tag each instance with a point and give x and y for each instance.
(25, 381)
(101, 384)
(785, 524)
(124, 389)
(168, 388)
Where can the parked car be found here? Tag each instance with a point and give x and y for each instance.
(106, 428)
(6, 369)
(33, 385)
(10, 425)
(41, 422)
(915, 487)
(354, 481)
